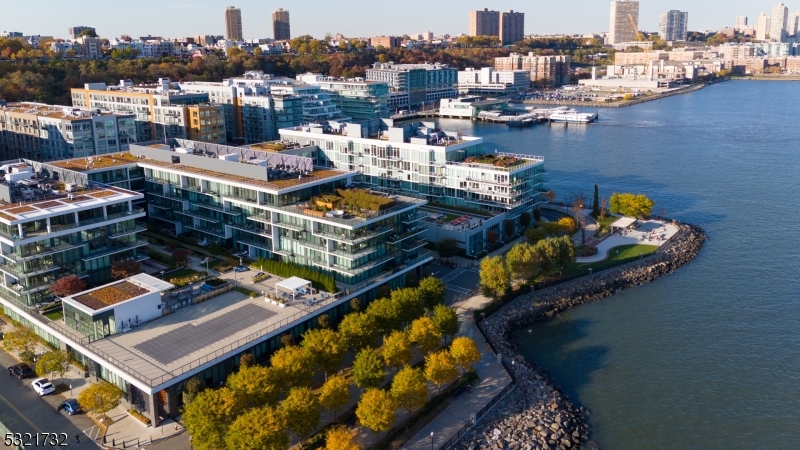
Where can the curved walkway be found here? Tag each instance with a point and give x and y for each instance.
(650, 232)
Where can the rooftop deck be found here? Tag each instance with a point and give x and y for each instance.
(55, 111)
(110, 295)
(61, 202)
(96, 162)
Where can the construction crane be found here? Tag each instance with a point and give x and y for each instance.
(639, 36)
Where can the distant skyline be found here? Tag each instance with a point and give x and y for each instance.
(352, 19)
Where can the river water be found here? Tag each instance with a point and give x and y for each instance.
(708, 357)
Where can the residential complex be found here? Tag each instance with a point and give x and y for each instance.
(624, 23)
(779, 23)
(387, 42)
(672, 25)
(414, 84)
(233, 23)
(49, 132)
(545, 70)
(487, 81)
(160, 111)
(357, 98)
(508, 27)
(281, 30)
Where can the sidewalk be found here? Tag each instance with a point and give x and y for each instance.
(493, 379)
(127, 431)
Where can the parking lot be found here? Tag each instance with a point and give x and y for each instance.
(460, 282)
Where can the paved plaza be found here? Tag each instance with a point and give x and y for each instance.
(648, 232)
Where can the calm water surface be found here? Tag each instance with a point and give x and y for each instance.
(708, 357)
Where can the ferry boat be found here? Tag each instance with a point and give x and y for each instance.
(572, 116)
(520, 123)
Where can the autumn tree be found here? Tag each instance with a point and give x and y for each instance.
(376, 410)
(465, 353)
(342, 438)
(326, 348)
(209, 416)
(368, 369)
(425, 335)
(247, 360)
(495, 276)
(491, 237)
(56, 361)
(181, 257)
(257, 429)
(100, 397)
(522, 262)
(432, 292)
(287, 340)
(397, 350)
(335, 393)
(631, 205)
(446, 320)
(409, 304)
(255, 386)
(409, 388)
(386, 314)
(193, 386)
(324, 321)
(440, 368)
(124, 269)
(358, 330)
(66, 286)
(23, 341)
(447, 248)
(293, 366)
(553, 254)
(355, 304)
(302, 406)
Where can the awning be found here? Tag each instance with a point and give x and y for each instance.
(624, 222)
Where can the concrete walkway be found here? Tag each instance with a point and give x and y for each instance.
(650, 232)
(493, 379)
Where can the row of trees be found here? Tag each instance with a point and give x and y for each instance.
(524, 262)
(251, 411)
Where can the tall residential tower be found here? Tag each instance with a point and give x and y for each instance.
(509, 27)
(280, 25)
(672, 25)
(233, 23)
(779, 22)
(624, 24)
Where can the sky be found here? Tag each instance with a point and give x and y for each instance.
(178, 18)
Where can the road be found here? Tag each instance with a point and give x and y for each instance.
(23, 411)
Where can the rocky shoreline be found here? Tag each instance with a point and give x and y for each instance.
(536, 414)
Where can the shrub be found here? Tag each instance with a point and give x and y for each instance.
(139, 416)
(319, 280)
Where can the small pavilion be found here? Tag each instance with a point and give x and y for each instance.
(292, 285)
(623, 223)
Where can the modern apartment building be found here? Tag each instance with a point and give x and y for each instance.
(779, 23)
(357, 98)
(624, 23)
(48, 132)
(74, 32)
(762, 27)
(672, 25)
(414, 84)
(445, 168)
(160, 111)
(487, 81)
(546, 70)
(281, 30)
(508, 27)
(50, 228)
(233, 24)
(317, 105)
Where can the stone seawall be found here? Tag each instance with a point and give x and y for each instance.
(537, 415)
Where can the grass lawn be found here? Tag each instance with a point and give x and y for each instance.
(244, 291)
(55, 315)
(618, 255)
(179, 273)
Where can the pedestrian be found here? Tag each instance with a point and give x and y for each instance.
(77, 438)
(10, 371)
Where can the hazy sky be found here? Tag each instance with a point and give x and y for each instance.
(177, 18)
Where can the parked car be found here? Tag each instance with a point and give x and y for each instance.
(43, 386)
(257, 274)
(241, 269)
(70, 406)
(22, 371)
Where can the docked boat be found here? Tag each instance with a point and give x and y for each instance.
(571, 116)
(521, 123)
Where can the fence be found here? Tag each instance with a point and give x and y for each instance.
(467, 426)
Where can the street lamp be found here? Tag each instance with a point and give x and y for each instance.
(431, 440)
(162, 275)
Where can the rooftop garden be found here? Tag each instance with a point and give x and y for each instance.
(357, 202)
(98, 162)
(269, 146)
(494, 160)
(110, 295)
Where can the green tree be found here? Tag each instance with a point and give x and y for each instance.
(368, 369)
(596, 202)
(447, 248)
(397, 350)
(522, 262)
(342, 438)
(386, 313)
(631, 205)
(537, 215)
(193, 386)
(409, 388)
(23, 341)
(358, 330)
(89, 33)
(554, 254)
(302, 406)
(508, 228)
(326, 348)
(256, 386)
(376, 410)
(292, 366)
(208, 418)
(409, 304)
(432, 292)
(440, 368)
(56, 361)
(495, 276)
(534, 235)
(425, 335)
(257, 429)
(100, 398)
(446, 320)
(335, 393)
(465, 353)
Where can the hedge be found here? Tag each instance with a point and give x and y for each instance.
(318, 279)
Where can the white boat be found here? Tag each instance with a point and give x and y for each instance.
(573, 117)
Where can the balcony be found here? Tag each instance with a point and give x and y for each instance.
(116, 249)
(209, 230)
(290, 226)
(369, 234)
(357, 270)
(251, 229)
(167, 195)
(401, 237)
(256, 243)
(11, 269)
(199, 215)
(260, 219)
(416, 216)
(134, 230)
(43, 251)
(354, 255)
(413, 245)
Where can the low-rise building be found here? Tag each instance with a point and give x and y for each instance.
(488, 81)
(469, 107)
(412, 85)
(546, 70)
